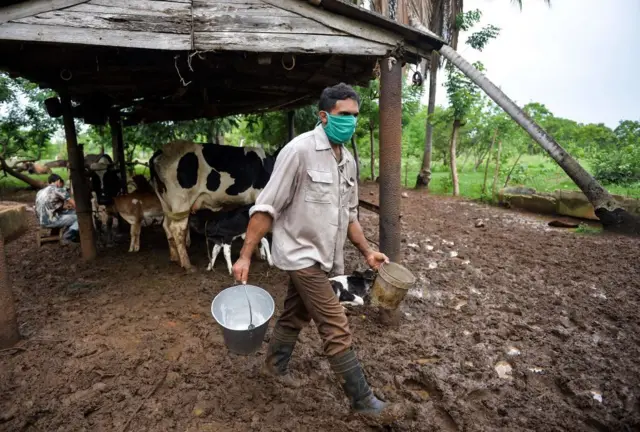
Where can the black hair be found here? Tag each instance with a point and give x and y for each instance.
(54, 178)
(331, 95)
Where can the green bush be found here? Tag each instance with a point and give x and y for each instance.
(620, 166)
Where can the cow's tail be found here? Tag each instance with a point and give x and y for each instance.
(156, 181)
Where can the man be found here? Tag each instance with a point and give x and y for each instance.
(55, 209)
(311, 201)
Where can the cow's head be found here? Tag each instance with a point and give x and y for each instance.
(105, 181)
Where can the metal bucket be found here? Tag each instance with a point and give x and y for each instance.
(391, 285)
(230, 309)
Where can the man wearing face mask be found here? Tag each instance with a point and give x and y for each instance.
(311, 202)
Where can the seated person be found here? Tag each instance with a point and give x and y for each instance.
(55, 209)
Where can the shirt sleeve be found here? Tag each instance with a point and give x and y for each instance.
(62, 194)
(278, 192)
(354, 201)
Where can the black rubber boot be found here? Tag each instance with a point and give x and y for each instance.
(281, 345)
(347, 367)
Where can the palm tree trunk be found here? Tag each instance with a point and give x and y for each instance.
(424, 176)
(452, 157)
(610, 213)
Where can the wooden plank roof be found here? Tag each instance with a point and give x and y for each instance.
(181, 59)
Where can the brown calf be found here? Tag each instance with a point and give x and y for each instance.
(141, 205)
(136, 208)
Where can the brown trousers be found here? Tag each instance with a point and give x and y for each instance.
(310, 296)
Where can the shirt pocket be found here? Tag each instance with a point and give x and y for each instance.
(318, 189)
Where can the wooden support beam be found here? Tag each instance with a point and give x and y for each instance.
(100, 37)
(390, 156)
(33, 7)
(117, 143)
(80, 187)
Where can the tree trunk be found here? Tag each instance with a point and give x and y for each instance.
(9, 333)
(424, 176)
(34, 183)
(356, 156)
(486, 167)
(452, 157)
(496, 174)
(610, 213)
(373, 152)
(506, 182)
(211, 133)
(291, 128)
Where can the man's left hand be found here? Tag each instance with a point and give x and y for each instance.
(375, 259)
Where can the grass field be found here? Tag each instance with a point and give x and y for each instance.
(536, 172)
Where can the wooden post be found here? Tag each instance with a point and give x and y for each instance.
(9, 333)
(80, 187)
(390, 156)
(117, 143)
(291, 128)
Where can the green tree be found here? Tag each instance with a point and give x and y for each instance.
(461, 91)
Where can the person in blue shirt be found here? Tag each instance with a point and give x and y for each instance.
(56, 209)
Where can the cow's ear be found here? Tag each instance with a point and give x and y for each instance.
(357, 274)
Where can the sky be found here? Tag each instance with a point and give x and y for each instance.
(580, 58)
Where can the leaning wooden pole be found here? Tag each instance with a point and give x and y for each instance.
(80, 188)
(608, 210)
(9, 333)
(390, 156)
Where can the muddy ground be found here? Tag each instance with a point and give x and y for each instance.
(512, 326)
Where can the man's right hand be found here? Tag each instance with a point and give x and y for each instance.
(241, 269)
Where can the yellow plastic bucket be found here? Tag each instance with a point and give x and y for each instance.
(391, 285)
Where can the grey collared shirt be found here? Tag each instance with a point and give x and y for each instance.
(312, 198)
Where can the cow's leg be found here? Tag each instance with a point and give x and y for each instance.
(179, 230)
(227, 256)
(136, 228)
(139, 218)
(132, 234)
(109, 228)
(214, 254)
(138, 236)
(173, 252)
(188, 241)
(265, 252)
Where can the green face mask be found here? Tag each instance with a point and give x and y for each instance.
(340, 128)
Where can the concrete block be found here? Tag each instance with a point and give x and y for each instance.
(13, 221)
(538, 203)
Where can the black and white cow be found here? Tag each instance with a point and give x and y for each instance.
(105, 180)
(189, 176)
(222, 228)
(354, 289)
